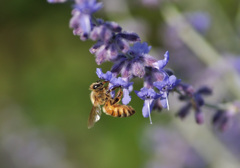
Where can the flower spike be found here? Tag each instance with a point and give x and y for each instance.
(131, 59)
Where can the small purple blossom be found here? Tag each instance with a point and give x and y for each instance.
(139, 49)
(133, 63)
(120, 82)
(81, 20)
(105, 76)
(103, 32)
(110, 42)
(126, 96)
(88, 6)
(162, 63)
(164, 87)
(168, 83)
(152, 75)
(148, 95)
(193, 100)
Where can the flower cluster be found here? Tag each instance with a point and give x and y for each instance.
(129, 55)
(135, 63)
(131, 59)
(193, 100)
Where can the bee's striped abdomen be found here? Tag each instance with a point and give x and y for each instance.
(118, 110)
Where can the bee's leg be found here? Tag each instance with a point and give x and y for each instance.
(117, 98)
(109, 91)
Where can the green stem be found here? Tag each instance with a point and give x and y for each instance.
(217, 107)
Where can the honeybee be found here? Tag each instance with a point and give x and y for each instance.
(100, 95)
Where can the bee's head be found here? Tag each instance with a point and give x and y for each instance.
(96, 86)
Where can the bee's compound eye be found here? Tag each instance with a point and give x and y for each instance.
(96, 86)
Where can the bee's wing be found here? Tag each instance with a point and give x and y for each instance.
(94, 116)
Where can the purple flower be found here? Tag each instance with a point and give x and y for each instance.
(88, 6)
(81, 21)
(126, 97)
(111, 41)
(148, 95)
(120, 82)
(155, 70)
(104, 30)
(139, 49)
(164, 87)
(193, 100)
(107, 76)
(134, 62)
(152, 75)
(162, 63)
(116, 82)
(168, 83)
